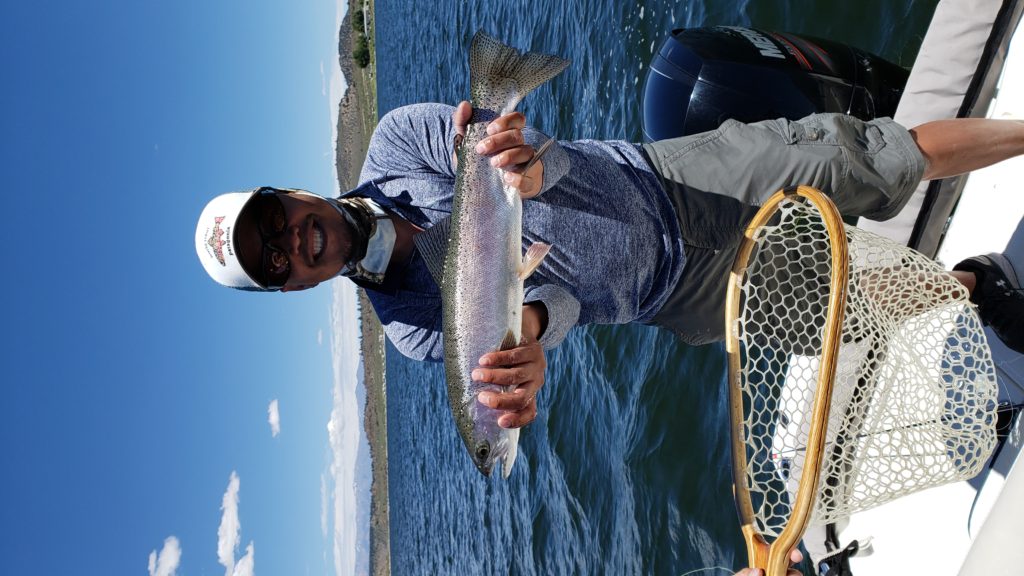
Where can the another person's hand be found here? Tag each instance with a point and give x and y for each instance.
(506, 147)
(795, 557)
(522, 367)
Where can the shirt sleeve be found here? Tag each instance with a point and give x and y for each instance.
(412, 325)
(415, 342)
(420, 140)
(563, 312)
(415, 140)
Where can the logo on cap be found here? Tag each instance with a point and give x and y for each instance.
(216, 240)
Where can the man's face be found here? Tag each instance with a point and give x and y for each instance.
(309, 241)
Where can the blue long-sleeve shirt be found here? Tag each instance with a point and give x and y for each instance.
(616, 250)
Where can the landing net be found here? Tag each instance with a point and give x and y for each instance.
(913, 390)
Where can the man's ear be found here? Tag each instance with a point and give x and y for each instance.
(299, 287)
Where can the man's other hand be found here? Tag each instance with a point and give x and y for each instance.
(522, 367)
(795, 557)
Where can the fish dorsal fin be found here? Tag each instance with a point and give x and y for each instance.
(534, 256)
(509, 341)
(432, 244)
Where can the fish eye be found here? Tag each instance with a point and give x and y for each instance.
(483, 450)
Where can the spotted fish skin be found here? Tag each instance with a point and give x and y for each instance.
(484, 269)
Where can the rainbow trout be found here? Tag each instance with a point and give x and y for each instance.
(484, 267)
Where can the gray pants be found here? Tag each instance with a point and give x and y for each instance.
(717, 181)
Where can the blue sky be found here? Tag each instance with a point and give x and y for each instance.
(138, 390)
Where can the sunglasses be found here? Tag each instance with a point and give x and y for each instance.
(271, 221)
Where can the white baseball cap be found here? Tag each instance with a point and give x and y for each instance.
(215, 240)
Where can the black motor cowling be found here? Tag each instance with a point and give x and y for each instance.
(703, 76)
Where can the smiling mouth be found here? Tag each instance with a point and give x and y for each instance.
(318, 241)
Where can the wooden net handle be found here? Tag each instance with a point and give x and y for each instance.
(774, 557)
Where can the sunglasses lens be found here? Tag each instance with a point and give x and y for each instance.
(271, 216)
(275, 266)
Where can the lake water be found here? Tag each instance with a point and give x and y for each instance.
(626, 469)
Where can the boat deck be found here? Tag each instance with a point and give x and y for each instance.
(932, 532)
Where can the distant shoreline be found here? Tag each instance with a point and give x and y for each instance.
(357, 114)
(357, 117)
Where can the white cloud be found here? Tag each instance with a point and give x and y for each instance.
(323, 505)
(166, 563)
(229, 530)
(320, 337)
(274, 418)
(246, 564)
(349, 546)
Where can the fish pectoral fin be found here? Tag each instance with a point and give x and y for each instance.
(510, 455)
(509, 341)
(534, 256)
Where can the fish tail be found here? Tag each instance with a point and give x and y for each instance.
(500, 76)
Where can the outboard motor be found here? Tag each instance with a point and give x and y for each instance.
(703, 76)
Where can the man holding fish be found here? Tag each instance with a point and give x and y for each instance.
(612, 232)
